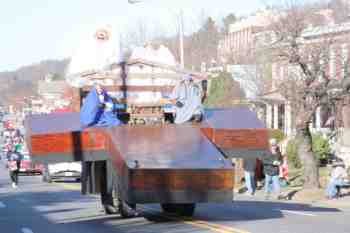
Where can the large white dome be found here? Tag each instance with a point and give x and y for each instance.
(160, 55)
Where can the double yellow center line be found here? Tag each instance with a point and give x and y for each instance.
(197, 223)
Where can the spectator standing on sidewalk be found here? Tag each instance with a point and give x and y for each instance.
(271, 164)
(249, 174)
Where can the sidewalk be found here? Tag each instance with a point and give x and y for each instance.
(342, 202)
(294, 195)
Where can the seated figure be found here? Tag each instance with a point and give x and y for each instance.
(98, 108)
(338, 177)
(187, 98)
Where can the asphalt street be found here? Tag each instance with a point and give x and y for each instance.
(36, 207)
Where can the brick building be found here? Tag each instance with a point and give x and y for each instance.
(249, 34)
(277, 111)
(241, 37)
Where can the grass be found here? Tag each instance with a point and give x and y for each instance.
(296, 176)
(295, 189)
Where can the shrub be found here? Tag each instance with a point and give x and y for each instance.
(223, 89)
(292, 153)
(320, 147)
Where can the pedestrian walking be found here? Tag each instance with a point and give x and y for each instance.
(271, 164)
(14, 163)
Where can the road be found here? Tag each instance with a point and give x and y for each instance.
(36, 207)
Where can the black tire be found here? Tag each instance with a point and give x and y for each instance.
(169, 208)
(127, 210)
(186, 210)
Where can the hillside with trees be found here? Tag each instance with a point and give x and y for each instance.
(23, 81)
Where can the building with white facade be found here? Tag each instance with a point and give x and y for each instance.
(51, 95)
(277, 112)
(337, 67)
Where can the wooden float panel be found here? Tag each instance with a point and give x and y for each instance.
(180, 179)
(67, 142)
(180, 185)
(238, 138)
(236, 129)
(164, 164)
(133, 88)
(168, 146)
(60, 136)
(173, 163)
(53, 123)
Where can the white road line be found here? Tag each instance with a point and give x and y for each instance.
(297, 212)
(2, 205)
(26, 230)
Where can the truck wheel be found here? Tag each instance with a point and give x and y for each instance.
(127, 210)
(186, 210)
(169, 208)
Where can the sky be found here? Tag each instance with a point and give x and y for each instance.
(35, 30)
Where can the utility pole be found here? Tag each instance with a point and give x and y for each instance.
(181, 40)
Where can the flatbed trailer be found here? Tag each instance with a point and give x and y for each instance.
(166, 164)
(174, 165)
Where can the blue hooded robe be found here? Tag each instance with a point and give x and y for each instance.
(91, 114)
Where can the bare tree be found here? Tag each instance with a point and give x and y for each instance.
(341, 9)
(305, 52)
(139, 34)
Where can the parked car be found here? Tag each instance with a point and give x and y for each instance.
(53, 171)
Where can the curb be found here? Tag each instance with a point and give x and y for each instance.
(342, 203)
(332, 204)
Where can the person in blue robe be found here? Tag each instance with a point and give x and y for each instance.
(98, 109)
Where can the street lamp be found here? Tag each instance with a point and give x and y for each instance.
(134, 1)
(181, 33)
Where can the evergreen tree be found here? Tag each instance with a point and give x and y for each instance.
(223, 90)
(228, 20)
